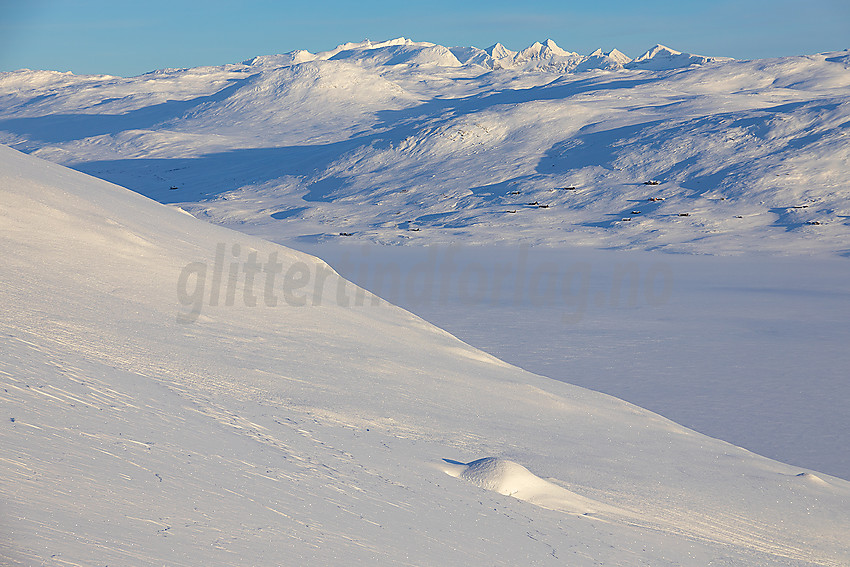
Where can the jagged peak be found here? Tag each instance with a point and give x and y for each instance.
(545, 50)
(546, 55)
(613, 58)
(555, 49)
(618, 56)
(532, 50)
(658, 50)
(499, 51)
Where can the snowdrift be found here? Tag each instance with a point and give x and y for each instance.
(512, 479)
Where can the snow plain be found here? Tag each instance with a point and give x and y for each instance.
(332, 433)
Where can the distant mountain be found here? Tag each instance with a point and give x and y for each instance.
(546, 55)
(661, 58)
(402, 141)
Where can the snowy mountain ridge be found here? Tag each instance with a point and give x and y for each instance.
(403, 141)
(547, 55)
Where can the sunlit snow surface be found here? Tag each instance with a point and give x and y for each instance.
(412, 143)
(403, 141)
(749, 349)
(313, 423)
(316, 432)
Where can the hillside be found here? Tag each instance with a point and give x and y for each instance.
(148, 423)
(404, 141)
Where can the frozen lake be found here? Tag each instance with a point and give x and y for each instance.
(751, 350)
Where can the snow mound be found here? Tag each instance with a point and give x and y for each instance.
(500, 475)
(812, 478)
(512, 479)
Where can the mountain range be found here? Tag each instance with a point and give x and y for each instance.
(402, 141)
(547, 55)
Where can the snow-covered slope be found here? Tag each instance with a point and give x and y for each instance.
(167, 401)
(403, 141)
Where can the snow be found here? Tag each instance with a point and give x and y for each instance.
(498, 52)
(512, 479)
(215, 397)
(313, 433)
(545, 50)
(746, 349)
(618, 56)
(661, 58)
(406, 54)
(442, 140)
(611, 61)
(300, 149)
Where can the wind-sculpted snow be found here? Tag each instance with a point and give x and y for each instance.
(512, 479)
(403, 141)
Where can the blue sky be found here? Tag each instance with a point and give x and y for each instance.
(129, 38)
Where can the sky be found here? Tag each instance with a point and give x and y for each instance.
(130, 38)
